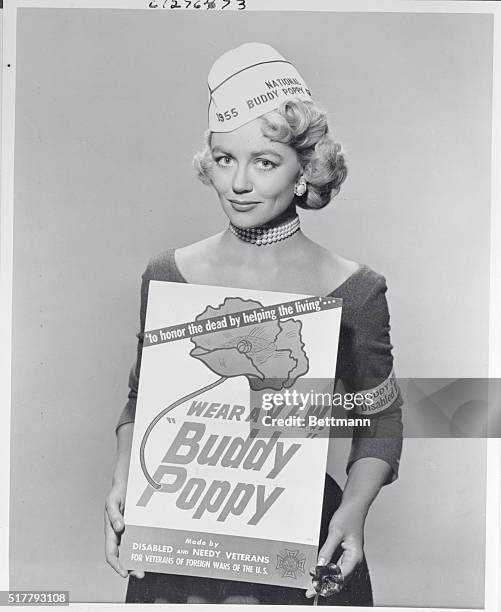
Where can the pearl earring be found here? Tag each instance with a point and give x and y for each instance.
(300, 188)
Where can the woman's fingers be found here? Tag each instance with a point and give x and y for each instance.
(111, 541)
(114, 514)
(351, 557)
(113, 527)
(136, 574)
(326, 553)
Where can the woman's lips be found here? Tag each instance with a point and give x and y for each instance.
(242, 205)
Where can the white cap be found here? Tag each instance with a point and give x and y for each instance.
(248, 82)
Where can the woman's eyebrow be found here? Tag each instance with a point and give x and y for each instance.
(221, 149)
(218, 148)
(266, 152)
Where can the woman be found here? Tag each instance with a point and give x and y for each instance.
(268, 151)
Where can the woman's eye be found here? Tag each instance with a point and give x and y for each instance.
(265, 164)
(224, 160)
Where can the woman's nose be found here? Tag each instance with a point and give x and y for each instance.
(241, 182)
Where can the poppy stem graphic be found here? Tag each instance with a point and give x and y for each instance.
(159, 416)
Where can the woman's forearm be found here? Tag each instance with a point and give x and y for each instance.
(365, 478)
(124, 445)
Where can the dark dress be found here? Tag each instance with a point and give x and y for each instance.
(364, 362)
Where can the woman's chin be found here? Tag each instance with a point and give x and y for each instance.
(245, 220)
(250, 218)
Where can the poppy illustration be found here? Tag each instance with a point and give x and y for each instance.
(270, 354)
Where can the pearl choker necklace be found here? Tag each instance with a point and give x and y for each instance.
(266, 235)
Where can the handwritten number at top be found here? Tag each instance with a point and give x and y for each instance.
(196, 4)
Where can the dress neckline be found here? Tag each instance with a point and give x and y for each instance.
(353, 275)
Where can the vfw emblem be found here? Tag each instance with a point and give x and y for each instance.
(291, 562)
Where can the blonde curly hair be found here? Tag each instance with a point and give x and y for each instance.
(304, 127)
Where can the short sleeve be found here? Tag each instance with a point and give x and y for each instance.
(370, 368)
(129, 411)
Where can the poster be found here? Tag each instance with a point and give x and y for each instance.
(211, 479)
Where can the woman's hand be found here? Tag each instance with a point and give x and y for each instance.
(346, 528)
(366, 477)
(113, 529)
(115, 502)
